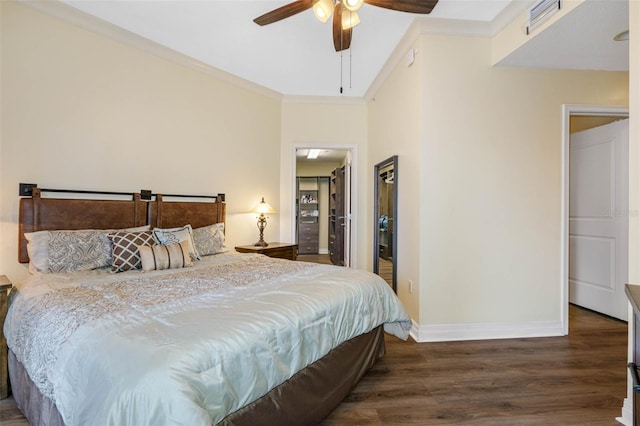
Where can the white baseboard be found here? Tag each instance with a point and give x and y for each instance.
(485, 331)
(627, 413)
(323, 251)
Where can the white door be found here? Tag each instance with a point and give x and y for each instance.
(598, 218)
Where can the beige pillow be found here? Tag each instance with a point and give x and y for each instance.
(176, 235)
(38, 250)
(170, 256)
(210, 239)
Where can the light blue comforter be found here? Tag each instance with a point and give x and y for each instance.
(188, 346)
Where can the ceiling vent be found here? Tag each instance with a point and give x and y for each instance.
(540, 12)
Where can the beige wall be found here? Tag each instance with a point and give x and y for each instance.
(489, 142)
(578, 123)
(320, 168)
(634, 180)
(82, 111)
(634, 141)
(479, 224)
(395, 125)
(335, 125)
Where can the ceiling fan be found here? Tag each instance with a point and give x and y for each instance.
(345, 15)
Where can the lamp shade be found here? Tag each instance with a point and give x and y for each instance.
(323, 9)
(263, 208)
(349, 19)
(352, 5)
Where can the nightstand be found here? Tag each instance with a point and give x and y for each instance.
(279, 250)
(5, 286)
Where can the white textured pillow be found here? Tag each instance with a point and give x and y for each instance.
(38, 250)
(176, 235)
(170, 256)
(209, 239)
(70, 250)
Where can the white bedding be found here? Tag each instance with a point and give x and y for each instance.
(188, 346)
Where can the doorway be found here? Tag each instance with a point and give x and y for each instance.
(331, 168)
(594, 209)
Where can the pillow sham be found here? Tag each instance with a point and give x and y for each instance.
(126, 255)
(209, 239)
(38, 251)
(70, 250)
(78, 251)
(170, 256)
(176, 235)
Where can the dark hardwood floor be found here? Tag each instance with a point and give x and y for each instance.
(579, 379)
(315, 258)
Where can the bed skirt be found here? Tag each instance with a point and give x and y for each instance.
(305, 399)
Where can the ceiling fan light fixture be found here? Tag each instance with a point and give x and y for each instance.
(352, 5)
(349, 19)
(323, 9)
(623, 36)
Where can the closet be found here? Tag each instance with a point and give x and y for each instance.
(308, 213)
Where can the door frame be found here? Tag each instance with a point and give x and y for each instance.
(351, 249)
(567, 111)
(391, 161)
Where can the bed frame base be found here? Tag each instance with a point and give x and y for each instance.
(305, 399)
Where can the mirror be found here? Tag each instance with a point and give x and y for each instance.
(385, 237)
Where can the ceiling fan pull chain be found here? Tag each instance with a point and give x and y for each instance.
(341, 72)
(350, 61)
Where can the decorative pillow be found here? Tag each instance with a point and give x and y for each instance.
(78, 251)
(209, 239)
(125, 249)
(176, 235)
(38, 250)
(170, 256)
(70, 250)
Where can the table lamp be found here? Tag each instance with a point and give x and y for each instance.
(262, 208)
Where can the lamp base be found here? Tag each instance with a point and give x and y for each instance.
(262, 223)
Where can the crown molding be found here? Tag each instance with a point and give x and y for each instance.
(63, 12)
(420, 26)
(405, 43)
(424, 26)
(453, 27)
(327, 100)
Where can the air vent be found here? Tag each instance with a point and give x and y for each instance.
(540, 12)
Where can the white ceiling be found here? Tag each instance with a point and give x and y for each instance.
(583, 39)
(295, 56)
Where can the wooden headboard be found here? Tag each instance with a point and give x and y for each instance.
(48, 214)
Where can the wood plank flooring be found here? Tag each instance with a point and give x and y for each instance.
(578, 379)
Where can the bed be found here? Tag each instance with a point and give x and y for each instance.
(190, 334)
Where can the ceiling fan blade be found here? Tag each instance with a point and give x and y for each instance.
(341, 38)
(411, 6)
(284, 12)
